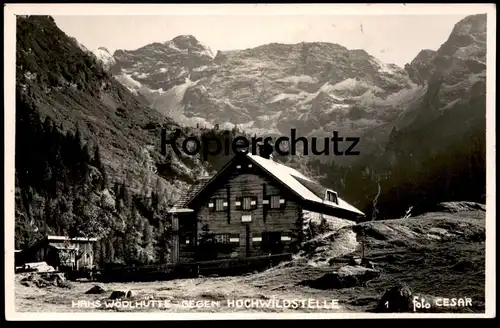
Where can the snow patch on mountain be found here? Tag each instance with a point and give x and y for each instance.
(288, 96)
(329, 90)
(396, 100)
(296, 79)
(127, 80)
(389, 69)
(350, 84)
(140, 75)
(201, 68)
(105, 57)
(171, 44)
(207, 52)
(169, 103)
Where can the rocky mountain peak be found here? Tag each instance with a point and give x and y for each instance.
(467, 39)
(463, 52)
(424, 56)
(186, 41)
(473, 24)
(104, 49)
(312, 86)
(269, 88)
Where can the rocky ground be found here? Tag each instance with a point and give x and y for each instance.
(437, 255)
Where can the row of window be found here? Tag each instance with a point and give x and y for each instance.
(267, 238)
(246, 203)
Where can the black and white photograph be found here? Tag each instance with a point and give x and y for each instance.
(249, 161)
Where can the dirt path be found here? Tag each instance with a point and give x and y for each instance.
(184, 295)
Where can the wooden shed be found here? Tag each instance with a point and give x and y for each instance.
(62, 253)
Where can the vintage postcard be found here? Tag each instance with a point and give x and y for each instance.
(173, 162)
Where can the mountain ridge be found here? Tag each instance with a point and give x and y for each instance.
(88, 159)
(206, 91)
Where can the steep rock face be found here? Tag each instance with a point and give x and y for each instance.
(451, 103)
(463, 53)
(421, 69)
(438, 145)
(268, 89)
(456, 78)
(161, 66)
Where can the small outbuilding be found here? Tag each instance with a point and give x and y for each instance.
(61, 252)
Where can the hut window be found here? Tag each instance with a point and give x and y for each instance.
(222, 238)
(249, 203)
(185, 240)
(331, 196)
(275, 202)
(220, 204)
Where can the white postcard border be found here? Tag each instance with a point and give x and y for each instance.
(10, 10)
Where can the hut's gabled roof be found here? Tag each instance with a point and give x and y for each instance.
(179, 206)
(305, 187)
(311, 192)
(50, 239)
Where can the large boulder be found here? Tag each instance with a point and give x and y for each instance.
(96, 290)
(59, 280)
(464, 206)
(46, 279)
(119, 294)
(34, 280)
(346, 277)
(396, 299)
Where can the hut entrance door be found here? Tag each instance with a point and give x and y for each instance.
(271, 242)
(248, 240)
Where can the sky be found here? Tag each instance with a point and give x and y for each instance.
(393, 39)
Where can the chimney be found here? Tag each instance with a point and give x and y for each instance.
(266, 150)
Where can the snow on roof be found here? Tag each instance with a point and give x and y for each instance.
(303, 186)
(65, 247)
(287, 176)
(180, 210)
(347, 206)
